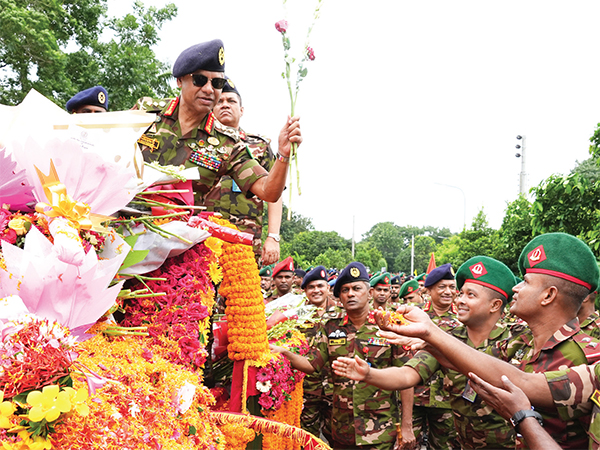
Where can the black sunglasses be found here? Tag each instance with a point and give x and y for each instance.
(200, 80)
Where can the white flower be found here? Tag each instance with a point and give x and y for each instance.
(263, 386)
(133, 408)
(183, 397)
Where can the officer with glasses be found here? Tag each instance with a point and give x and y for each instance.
(187, 132)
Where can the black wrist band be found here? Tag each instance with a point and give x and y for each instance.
(523, 414)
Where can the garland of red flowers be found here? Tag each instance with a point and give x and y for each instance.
(183, 314)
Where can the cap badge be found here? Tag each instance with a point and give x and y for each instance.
(478, 270)
(101, 97)
(354, 272)
(386, 280)
(231, 83)
(536, 256)
(322, 274)
(221, 56)
(410, 289)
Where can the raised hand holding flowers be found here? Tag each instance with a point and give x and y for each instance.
(307, 55)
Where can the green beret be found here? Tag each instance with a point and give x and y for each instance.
(563, 256)
(423, 276)
(487, 272)
(408, 288)
(265, 272)
(383, 279)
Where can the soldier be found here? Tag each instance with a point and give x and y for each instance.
(318, 391)
(380, 290)
(559, 272)
(485, 286)
(421, 280)
(186, 131)
(92, 100)
(299, 275)
(283, 274)
(432, 418)
(227, 198)
(589, 320)
(394, 289)
(363, 416)
(266, 281)
(409, 294)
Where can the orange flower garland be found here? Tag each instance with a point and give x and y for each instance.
(288, 413)
(237, 435)
(247, 328)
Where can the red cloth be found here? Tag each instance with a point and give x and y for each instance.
(235, 404)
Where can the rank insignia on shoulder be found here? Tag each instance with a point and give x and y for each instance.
(148, 142)
(596, 397)
(341, 341)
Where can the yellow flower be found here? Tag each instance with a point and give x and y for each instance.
(215, 272)
(37, 443)
(78, 400)
(18, 225)
(7, 409)
(48, 404)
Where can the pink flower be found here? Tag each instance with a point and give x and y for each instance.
(310, 53)
(281, 26)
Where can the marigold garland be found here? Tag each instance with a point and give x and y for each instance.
(237, 435)
(247, 328)
(288, 413)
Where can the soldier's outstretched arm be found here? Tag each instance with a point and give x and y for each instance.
(298, 362)
(389, 379)
(467, 359)
(269, 188)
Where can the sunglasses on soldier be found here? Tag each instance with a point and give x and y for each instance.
(200, 80)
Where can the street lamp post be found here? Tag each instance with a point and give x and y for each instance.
(464, 202)
(521, 154)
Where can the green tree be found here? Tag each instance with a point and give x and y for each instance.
(366, 253)
(515, 232)
(387, 238)
(334, 258)
(52, 46)
(588, 168)
(289, 228)
(311, 244)
(424, 246)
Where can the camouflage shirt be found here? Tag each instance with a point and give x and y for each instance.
(477, 424)
(227, 198)
(576, 394)
(214, 149)
(433, 394)
(362, 414)
(591, 325)
(567, 347)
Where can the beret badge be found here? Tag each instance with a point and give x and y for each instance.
(354, 272)
(478, 270)
(101, 97)
(221, 56)
(322, 274)
(410, 289)
(536, 256)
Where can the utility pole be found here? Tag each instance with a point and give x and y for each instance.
(521, 154)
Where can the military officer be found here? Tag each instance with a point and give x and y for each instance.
(283, 274)
(589, 319)
(186, 131)
(227, 198)
(485, 285)
(363, 416)
(266, 280)
(559, 272)
(394, 289)
(318, 391)
(380, 290)
(92, 100)
(409, 293)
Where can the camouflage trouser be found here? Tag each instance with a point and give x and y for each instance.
(436, 426)
(316, 415)
(381, 446)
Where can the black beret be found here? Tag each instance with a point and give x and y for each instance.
(318, 273)
(300, 273)
(354, 271)
(395, 280)
(205, 56)
(96, 96)
(444, 272)
(230, 87)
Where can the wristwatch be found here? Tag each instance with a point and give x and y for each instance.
(523, 414)
(274, 236)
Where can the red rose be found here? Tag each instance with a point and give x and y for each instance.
(310, 53)
(281, 26)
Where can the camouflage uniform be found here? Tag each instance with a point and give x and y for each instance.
(316, 414)
(576, 394)
(432, 413)
(363, 415)
(591, 325)
(214, 149)
(567, 347)
(227, 198)
(477, 424)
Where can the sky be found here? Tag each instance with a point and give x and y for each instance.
(411, 109)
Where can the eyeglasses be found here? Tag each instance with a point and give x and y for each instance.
(200, 80)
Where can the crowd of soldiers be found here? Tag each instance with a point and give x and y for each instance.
(443, 360)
